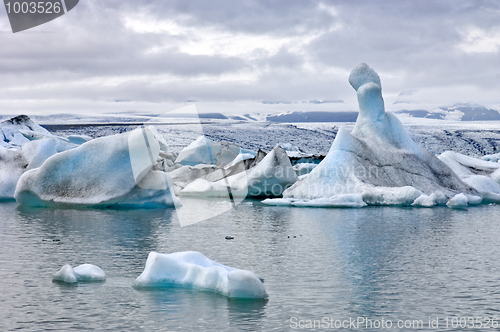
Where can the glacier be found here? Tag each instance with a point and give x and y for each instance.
(84, 272)
(111, 171)
(377, 160)
(192, 269)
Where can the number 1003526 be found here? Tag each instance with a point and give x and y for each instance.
(33, 7)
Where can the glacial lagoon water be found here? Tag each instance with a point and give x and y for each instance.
(386, 263)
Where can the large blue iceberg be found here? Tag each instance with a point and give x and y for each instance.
(111, 171)
(377, 163)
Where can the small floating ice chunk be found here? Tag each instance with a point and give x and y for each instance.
(458, 201)
(391, 196)
(66, 274)
(89, 272)
(424, 201)
(474, 200)
(84, 272)
(193, 269)
(279, 201)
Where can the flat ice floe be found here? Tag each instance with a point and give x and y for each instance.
(84, 272)
(109, 171)
(192, 269)
(378, 161)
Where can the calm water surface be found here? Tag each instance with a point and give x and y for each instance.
(377, 262)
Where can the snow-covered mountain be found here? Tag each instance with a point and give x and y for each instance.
(458, 111)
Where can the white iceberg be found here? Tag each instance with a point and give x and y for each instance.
(458, 201)
(109, 171)
(17, 131)
(194, 270)
(436, 198)
(480, 174)
(11, 135)
(84, 272)
(13, 163)
(465, 166)
(270, 177)
(184, 175)
(378, 159)
(208, 152)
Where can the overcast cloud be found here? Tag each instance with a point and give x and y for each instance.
(156, 54)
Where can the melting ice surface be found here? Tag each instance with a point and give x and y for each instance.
(193, 269)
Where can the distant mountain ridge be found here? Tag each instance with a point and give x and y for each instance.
(458, 111)
(313, 117)
(297, 116)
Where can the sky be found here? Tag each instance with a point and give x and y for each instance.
(250, 56)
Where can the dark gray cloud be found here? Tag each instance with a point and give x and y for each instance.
(277, 17)
(286, 50)
(418, 39)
